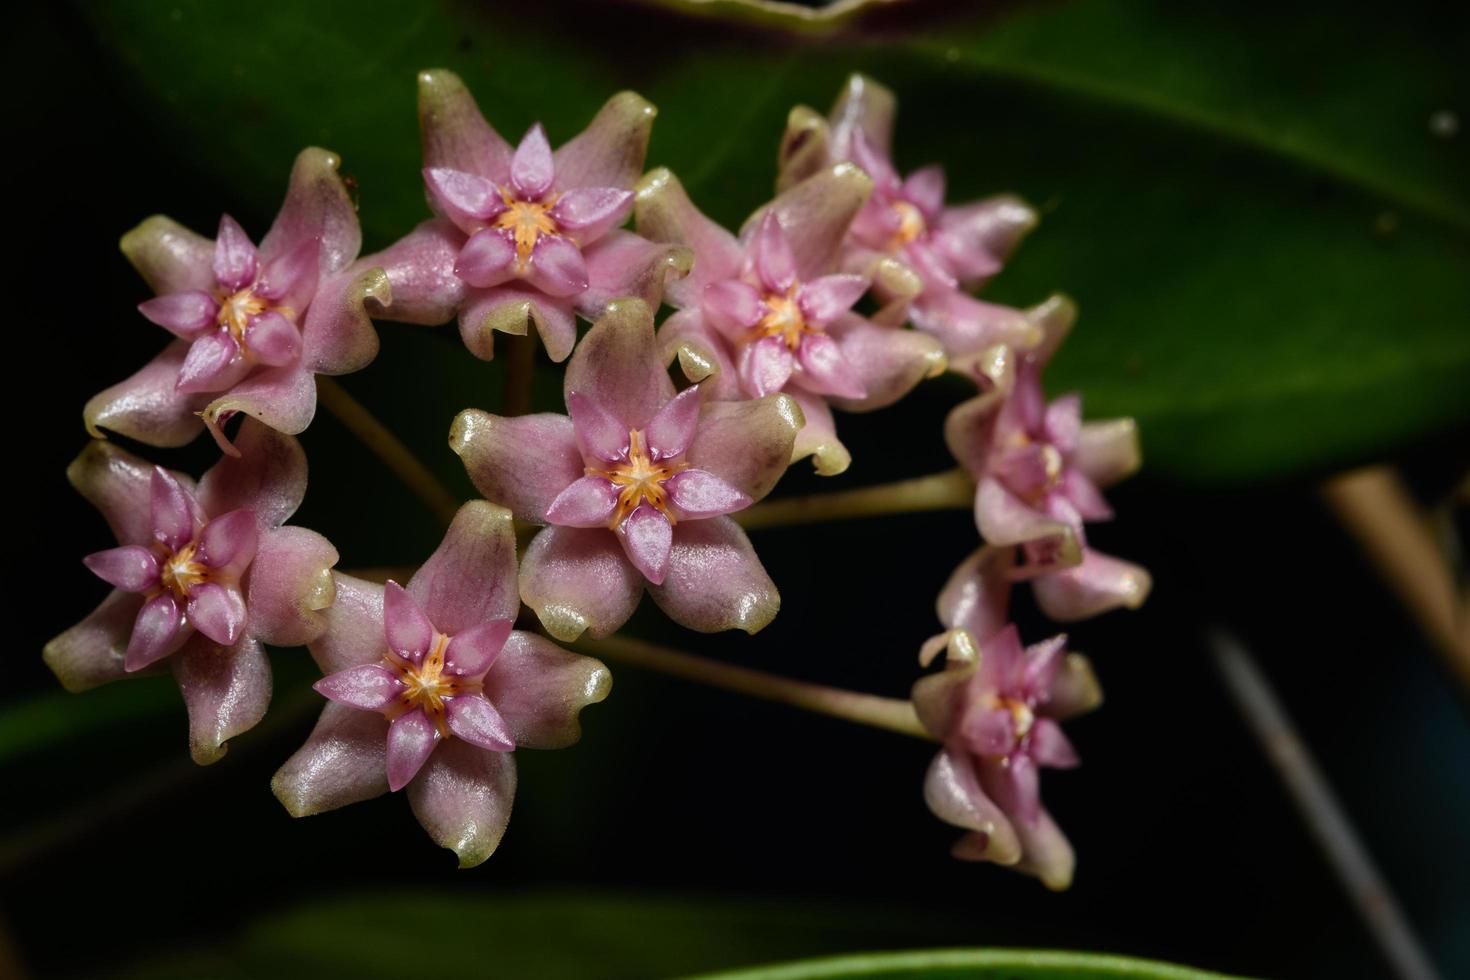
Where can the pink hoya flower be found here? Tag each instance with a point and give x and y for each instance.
(1038, 471)
(431, 690)
(203, 576)
(924, 257)
(635, 486)
(771, 311)
(524, 235)
(995, 708)
(252, 325)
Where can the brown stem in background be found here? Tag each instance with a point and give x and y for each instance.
(520, 369)
(950, 490)
(1376, 508)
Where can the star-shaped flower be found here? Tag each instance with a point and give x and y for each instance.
(635, 485)
(431, 690)
(203, 576)
(253, 326)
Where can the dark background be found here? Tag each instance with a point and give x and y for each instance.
(691, 829)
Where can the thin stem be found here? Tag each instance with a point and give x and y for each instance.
(1377, 509)
(388, 448)
(520, 369)
(892, 714)
(950, 490)
(1321, 810)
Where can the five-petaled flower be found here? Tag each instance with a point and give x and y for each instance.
(253, 326)
(203, 576)
(634, 485)
(772, 310)
(995, 708)
(431, 690)
(1038, 469)
(524, 235)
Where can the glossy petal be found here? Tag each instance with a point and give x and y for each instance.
(186, 314)
(816, 213)
(218, 612)
(1014, 783)
(825, 369)
(463, 798)
(410, 633)
(317, 208)
(1099, 584)
(149, 406)
(1084, 496)
(886, 363)
(455, 134)
(172, 509)
(703, 356)
(170, 257)
(578, 579)
(91, 652)
(765, 366)
(589, 212)
(290, 279)
(952, 791)
(522, 463)
(969, 430)
(487, 259)
(646, 536)
(617, 365)
(341, 762)
(1049, 747)
(369, 687)
(818, 436)
(268, 478)
(120, 485)
(925, 188)
(826, 298)
(986, 230)
(610, 151)
(715, 581)
(770, 254)
(966, 325)
(556, 267)
(621, 263)
(226, 690)
(512, 309)
(337, 336)
(290, 584)
(1074, 689)
(589, 502)
(671, 429)
(283, 398)
(235, 258)
(747, 444)
(214, 363)
(864, 106)
(1046, 852)
(473, 651)
(159, 631)
(273, 339)
(1004, 519)
(132, 568)
(411, 738)
(1107, 451)
(475, 720)
(228, 542)
(531, 168)
(664, 213)
(697, 494)
(977, 596)
(354, 626)
(600, 435)
(539, 689)
(420, 271)
(471, 577)
(732, 306)
(466, 199)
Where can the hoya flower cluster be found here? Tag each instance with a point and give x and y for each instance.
(428, 685)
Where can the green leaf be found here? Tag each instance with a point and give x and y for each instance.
(41, 722)
(972, 964)
(1269, 244)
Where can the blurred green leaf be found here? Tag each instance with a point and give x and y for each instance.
(1269, 243)
(972, 964)
(43, 721)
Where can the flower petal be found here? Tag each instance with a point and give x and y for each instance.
(556, 267)
(473, 651)
(337, 336)
(591, 211)
(925, 188)
(975, 238)
(159, 631)
(370, 687)
(715, 581)
(770, 254)
(531, 168)
(1098, 584)
(185, 314)
(969, 430)
(977, 596)
(172, 509)
(282, 398)
(268, 477)
(952, 792)
(578, 579)
(646, 536)
(410, 633)
(341, 762)
(1014, 783)
(354, 626)
(522, 463)
(317, 208)
(990, 732)
(765, 366)
(1107, 451)
(488, 258)
(228, 542)
(471, 577)
(968, 326)
(539, 688)
(455, 134)
(672, 427)
(747, 444)
(1045, 852)
(463, 798)
(600, 435)
(610, 151)
(865, 107)
(411, 738)
(589, 502)
(290, 279)
(1004, 519)
(511, 309)
(815, 215)
(818, 436)
(290, 583)
(170, 257)
(132, 568)
(621, 263)
(1050, 747)
(217, 611)
(149, 406)
(91, 652)
(732, 306)
(1074, 689)
(214, 363)
(697, 494)
(825, 369)
(885, 362)
(826, 298)
(273, 339)
(235, 258)
(1084, 496)
(420, 270)
(617, 365)
(475, 720)
(704, 357)
(664, 213)
(466, 199)
(226, 691)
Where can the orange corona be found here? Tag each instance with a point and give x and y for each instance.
(640, 480)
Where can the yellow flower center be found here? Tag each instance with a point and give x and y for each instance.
(527, 221)
(427, 686)
(180, 572)
(784, 319)
(237, 309)
(639, 480)
(910, 224)
(1021, 715)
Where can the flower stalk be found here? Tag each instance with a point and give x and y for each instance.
(950, 490)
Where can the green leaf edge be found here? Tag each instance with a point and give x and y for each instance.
(865, 964)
